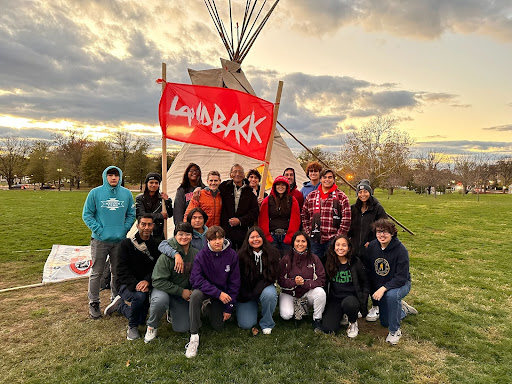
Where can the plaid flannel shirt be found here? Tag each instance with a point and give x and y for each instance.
(327, 229)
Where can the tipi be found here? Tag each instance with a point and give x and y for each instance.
(231, 76)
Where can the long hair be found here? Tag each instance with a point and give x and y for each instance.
(282, 203)
(245, 253)
(309, 255)
(332, 263)
(185, 183)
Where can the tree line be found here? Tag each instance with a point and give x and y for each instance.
(377, 151)
(76, 158)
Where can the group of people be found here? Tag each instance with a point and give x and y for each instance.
(232, 252)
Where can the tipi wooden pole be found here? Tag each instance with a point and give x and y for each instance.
(164, 155)
(271, 141)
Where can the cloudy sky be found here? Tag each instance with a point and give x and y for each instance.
(441, 67)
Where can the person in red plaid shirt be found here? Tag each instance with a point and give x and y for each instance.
(325, 214)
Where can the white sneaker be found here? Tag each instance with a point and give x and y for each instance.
(113, 306)
(150, 334)
(353, 330)
(359, 315)
(192, 346)
(394, 337)
(344, 320)
(266, 331)
(168, 316)
(408, 309)
(373, 314)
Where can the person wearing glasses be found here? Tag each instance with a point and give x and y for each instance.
(191, 180)
(240, 208)
(387, 265)
(171, 286)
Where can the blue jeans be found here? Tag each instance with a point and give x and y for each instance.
(247, 313)
(279, 244)
(320, 249)
(137, 311)
(390, 307)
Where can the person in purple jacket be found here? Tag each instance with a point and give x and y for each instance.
(215, 276)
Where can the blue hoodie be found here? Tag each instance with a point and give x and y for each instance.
(109, 212)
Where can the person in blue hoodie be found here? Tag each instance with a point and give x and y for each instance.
(109, 212)
(215, 277)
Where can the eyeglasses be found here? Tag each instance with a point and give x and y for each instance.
(382, 232)
(183, 234)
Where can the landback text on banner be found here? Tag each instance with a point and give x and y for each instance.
(216, 117)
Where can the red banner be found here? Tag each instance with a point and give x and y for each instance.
(216, 117)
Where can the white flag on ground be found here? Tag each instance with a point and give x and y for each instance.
(67, 262)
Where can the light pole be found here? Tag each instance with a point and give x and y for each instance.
(59, 170)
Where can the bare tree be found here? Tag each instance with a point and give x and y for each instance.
(13, 157)
(70, 149)
(465, 170)
(304, 157)
(376, 150)
(504, 172)
(123, 144)
(428, 170)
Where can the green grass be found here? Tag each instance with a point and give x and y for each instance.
(462, 288)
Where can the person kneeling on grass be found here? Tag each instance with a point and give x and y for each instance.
(347, 287)
(301, 277)
(215, 276)
(259, 267)
(387, 263)
(137, 257)
(171, 287)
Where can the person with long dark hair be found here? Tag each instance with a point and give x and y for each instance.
(347, 287)
(365, 211)
(191, 180)
(259, 264)
(387, 263)
(280, 215)
(301, 277)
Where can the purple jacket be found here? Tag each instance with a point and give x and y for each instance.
(216, 272)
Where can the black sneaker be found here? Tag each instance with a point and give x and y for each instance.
(317, 326)
(94, 310)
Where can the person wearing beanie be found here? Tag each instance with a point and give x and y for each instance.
(364, 212)
(289, 173)
(172, 288)
(280, 215)
(150, 201)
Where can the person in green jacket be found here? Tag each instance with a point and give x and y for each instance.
(172, 289)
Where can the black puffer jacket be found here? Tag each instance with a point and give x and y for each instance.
(144, 203)
(361, 225)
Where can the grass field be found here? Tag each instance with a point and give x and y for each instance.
(461, 285)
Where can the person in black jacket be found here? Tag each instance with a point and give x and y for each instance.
(347, 287)
(137, 257)
(239, 206)
(387, 264)
(365, 211)
(150, 201)
(259, 267)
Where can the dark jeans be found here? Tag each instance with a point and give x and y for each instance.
(215, 311)
(320, 249)
(137, 311)
(279, 244)
(334, 311)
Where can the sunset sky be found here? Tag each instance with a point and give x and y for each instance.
(441, 67)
